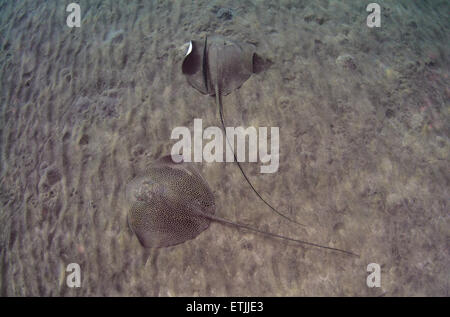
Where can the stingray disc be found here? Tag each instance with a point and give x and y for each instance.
(218, 60)
(166, 202)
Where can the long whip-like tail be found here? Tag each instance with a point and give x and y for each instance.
(270, 234)
(219, 103)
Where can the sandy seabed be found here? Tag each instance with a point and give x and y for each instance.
(364, 147)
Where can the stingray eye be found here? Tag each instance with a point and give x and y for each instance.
(141, 194)
(144, 191)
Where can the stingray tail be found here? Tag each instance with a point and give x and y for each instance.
(270, 234)
(219, 103)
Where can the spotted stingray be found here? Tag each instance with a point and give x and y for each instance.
(172, 203)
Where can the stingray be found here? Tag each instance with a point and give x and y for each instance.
(218, 66)
(172, 203)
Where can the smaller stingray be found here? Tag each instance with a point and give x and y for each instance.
(172, 203)
(217, 67)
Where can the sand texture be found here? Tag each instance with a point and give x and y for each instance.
(364, 147)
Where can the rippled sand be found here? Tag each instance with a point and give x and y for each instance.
(364, 154)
